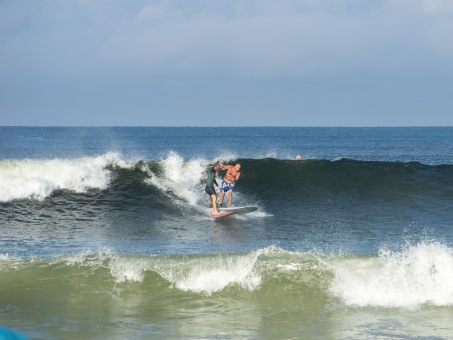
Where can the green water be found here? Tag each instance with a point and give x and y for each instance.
(268, 294)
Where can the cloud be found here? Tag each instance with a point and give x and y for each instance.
(437, 6)
(239, 39)
(275, 38)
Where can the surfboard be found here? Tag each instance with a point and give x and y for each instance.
(223, 214)
(240, 210)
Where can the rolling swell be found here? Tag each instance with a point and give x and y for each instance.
(413, 276)
(160, 184)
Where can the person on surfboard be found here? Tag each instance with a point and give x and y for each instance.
(231, 177)
(210, 181)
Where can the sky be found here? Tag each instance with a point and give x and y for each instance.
(226, 62)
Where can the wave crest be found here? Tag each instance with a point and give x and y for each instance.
(39, 178)
(420, 274)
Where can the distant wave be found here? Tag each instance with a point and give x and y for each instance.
(417, 275)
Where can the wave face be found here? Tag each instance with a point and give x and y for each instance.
(350, 179)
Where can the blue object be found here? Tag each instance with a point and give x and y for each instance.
(7, 334)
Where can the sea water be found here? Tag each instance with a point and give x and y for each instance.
(105, 233)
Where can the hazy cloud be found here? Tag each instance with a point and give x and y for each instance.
(237, 38)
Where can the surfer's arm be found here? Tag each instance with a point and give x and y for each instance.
(219, 162)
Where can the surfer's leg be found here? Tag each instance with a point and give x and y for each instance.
(222, 197)
(214, 204)
(230, 198)
(223, 190)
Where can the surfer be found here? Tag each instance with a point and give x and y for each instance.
(210, 181)
(232, 175)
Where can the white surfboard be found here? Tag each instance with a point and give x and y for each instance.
(240, 210)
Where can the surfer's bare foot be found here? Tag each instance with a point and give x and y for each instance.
(221, 204)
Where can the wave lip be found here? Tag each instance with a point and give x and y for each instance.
(214, 275)
(39, 178)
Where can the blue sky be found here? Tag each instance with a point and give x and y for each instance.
(233, 63)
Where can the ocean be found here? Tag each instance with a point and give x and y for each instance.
(106, 234)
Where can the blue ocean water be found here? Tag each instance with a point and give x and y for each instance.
(105, 233)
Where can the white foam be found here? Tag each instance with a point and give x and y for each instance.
(182, 178)
(38, 178)
(124, 269)
(421, 274)
(209, 275)
(291, 266)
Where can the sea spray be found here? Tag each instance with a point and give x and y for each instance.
(179, 177)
